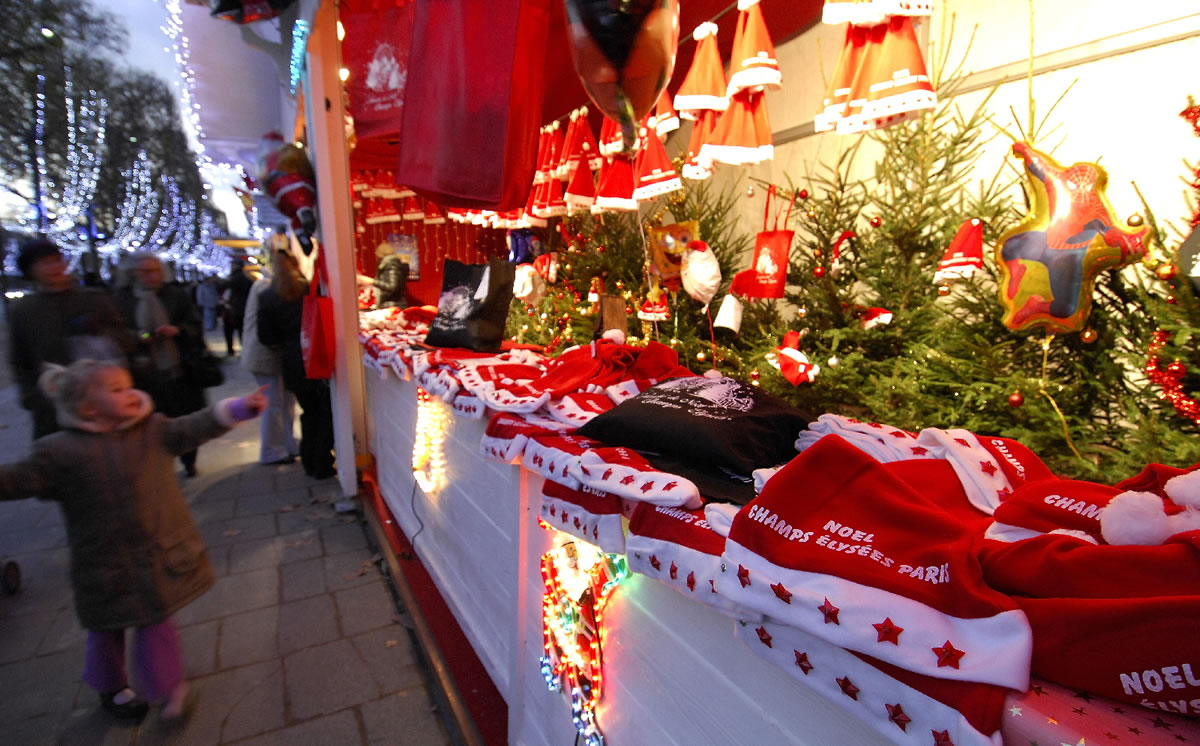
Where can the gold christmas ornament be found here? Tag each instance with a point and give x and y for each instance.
(1135, 220)
(701, 357)
(801, 312)
(1088, 335)
(943, 290)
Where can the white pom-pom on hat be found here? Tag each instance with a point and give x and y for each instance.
(713, 373)
(708, 28)
(614, 335)
(1134, 518)
(1184, 489)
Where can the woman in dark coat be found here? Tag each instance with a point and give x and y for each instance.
(280, 308)
(168, 328)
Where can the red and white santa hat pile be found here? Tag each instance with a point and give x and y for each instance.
(678, 548)
(880, 78)
(506, 434)
(1113, 619)
(865, 562)
(556, 456)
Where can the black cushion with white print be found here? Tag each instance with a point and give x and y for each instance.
(714, 432)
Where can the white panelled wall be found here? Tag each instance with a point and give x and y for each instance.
(1132, 64)
(673, 671)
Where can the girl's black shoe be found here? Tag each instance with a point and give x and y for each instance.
(124, 704)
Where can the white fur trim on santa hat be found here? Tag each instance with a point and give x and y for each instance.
(1184, 489)
(614, 335)
(1138, 518)
(603, 529)
(708, 28)
(761, 72)
(557, 457)
(468, 406)
(820, 666)
(745, 4)
(720, 516)
(998, 648)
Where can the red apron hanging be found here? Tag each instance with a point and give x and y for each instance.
(473, 102)
(767, 275)
(375, 51)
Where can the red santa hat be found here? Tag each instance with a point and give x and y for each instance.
(1118, 621)
(467, 406)
(592, 515)
(542, 172)
(506, 435)
(876, 316)
(589, 150)
(413, 210)
(627, 473)
(752, 64)
(891, 84)
(556, 457)
(666, 120)
(654, 175)
(837, 95)
(964, 256)
(550, 202)
(611, 141)
(694, 167)
(568, 154)
(434, 214)
(555, 150)
(866, 563)
(990, 468)
(529, 214)
(581, 191)
(579, 407)
(743, 134)
(901, 706)
(704, 86)
(615, 190)
(678, 548)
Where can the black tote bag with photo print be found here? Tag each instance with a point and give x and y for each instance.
(473, 306)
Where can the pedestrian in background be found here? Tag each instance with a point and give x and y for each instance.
(167, 326)
(58, 323)
(136, 555)
(279, 310)
(208, 298)
(237, 285)
(277, 440)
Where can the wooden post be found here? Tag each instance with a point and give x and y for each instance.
(327, 149)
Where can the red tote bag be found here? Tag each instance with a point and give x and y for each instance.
(318, 340)
(473, 104)
(767, 275)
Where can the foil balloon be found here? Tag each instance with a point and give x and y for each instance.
(667, 246)
(624, 53)
(1050, 260)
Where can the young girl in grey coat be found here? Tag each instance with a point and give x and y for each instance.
(136, 555)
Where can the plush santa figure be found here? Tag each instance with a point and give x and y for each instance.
(287, 176)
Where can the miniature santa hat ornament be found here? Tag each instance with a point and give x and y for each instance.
(568, 157)
(615, 191)
(556, 151)
(611, 142)
(964, 256)
(792, 363)
(694, 167)
(743, 135)
(876, 316)
(665, 117)
(413, 209)
(837, 96)
(433, 215)
(704, 86)
(654, 174)
(581, 191)
(588, 149)
(752, 64)
(540, 174)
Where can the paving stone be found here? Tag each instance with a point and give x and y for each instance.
(63, 633)
(306, 518)
(42, 595)
(405, 718)
(219, 557)
(389, 655)
(30, 514)
(365, 607)
(292, 478)
(256, 503)
(21, 634)
(302, 579)
(242, 702)
(340, 728)
(248, 638)
(255, 554)
(233, 594)
(308, 622)
(343, 538)
(301, 545)
(39, 686)
(34, 732)
(94, 727)
(325, 679)
(199, 643)
(350, 569)
(33, 539)
(238, 529)
(216, 510)
(50, 564)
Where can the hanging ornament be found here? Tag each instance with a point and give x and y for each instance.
(833, 362)
(1049, 261)
(943, 290)
(876, 221)
(1016, 399)
(803, 194)
(1089, 335)
(700, 272)
(818, 271)
(624, 54)
(750, 191)
(729, 315)
(791, 362)
(701, 357)
(668, 244)
(1165, 272)
(801, 312)
(964, 255)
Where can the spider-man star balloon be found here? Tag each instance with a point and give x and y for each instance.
(1049, 261)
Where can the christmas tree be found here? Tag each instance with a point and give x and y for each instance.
(895, 345)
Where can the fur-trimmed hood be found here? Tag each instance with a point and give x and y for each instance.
(73, 420)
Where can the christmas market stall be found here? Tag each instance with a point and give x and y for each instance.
(779, 373)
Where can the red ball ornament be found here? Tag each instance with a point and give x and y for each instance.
(1177, 369)
(530, 311)
(579, 236)
(803, 194)
(876, 221)
(628, 310)
(1016, 399)
(600, 249)
(818, 271)
(1171, 299)
(1166, 272)
(560, 296)
(754, 375)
